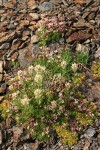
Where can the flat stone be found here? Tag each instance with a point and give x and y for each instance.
(8, 4)
(80, 24)
(79, 36)
(17, 132)
(45, 6)
(2, 88)
(81, 2)
(1, 76)
(32, 4)
(34, 16)
(4, 46)
(11, 26)
(55, 2)
(97, 54)
(8, 38)
(90, 132)
(34, 39)
(25, 57)
(1, 66)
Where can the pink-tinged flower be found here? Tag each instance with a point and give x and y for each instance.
(55, 117)
(54, 103)
(73, 129)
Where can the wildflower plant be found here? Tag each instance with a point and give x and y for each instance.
(50, 30)
(46, 96)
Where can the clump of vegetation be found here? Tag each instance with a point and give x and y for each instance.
(96, 69)
(15, 63)
(46, 96)
(67, 136)
(50, 30)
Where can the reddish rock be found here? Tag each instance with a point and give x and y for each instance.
(31, 4)
(70, 31)
(8, 37)
(80, 24)
(79, 36)
(2, 29)
(8, 4)
(81, 2)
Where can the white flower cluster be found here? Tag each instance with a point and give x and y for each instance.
(39, 69)
(74, 67)
(25, 100)
(30, 69)
(38, 78)
(63, 64)
(38, 93)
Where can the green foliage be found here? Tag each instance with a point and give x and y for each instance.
(67, 136)
(46, 96)
(82, 57)
(15, 63)
(46, 38)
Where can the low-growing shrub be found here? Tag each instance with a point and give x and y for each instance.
(50, 30)
(46, 96)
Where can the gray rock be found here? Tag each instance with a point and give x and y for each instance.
(90, 132)
(2, 88)
(97, 54)
(11, 26)
(45, 6)
(4, 46)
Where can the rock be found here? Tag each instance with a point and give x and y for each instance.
(34, 16)
(79, 24)
(1, 137)
(34, 39)
(1, 76)
(17, 132)
(90, 132)
(11, 26)
(14, 56)
(65, 2)
(8, 4)
(98, 138)
(45, 6)
(97, 54)
(87, 144)
(2, 88)
(81, 2)
(32, 4)
(4, 46)
(80, 47)
(79, 36)
(15, 44)
(8, 37)
(25, 57)
(55, 2)
(1, 66)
